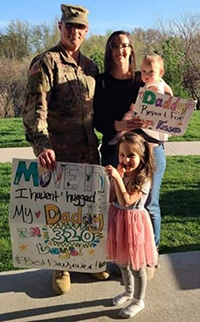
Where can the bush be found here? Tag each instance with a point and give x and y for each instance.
(13, 81)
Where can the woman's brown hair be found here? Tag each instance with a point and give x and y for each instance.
(108, 62)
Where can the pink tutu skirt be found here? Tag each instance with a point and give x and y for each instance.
(130, 240)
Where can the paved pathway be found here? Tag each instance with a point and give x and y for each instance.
(183, 148)
(172, 296)
(172, 148)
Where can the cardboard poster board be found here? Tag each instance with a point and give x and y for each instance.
(164, 113)
(159, 112)
(58, 220)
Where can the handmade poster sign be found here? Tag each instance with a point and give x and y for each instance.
(58, 219)
(163, 113)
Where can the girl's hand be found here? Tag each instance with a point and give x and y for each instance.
(112, 172)
(120, 170)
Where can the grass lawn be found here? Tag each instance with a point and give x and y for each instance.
(179, 199)
(180, 204)
(12, 132)
(192, 133)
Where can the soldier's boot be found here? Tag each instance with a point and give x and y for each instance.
(102, 276)
(61, 282)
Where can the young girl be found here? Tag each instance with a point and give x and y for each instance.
(130, 240)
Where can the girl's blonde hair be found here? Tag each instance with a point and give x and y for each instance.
(146, 167)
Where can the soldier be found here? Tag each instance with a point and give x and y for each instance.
(58, 110)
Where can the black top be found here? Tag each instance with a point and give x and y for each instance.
(113, 98)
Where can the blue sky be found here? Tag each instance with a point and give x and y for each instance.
(104, 14)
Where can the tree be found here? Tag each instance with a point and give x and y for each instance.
(44, 36)
(98, 57)
(15, 43)
(187, 30)
(175, 65)
(12, 86)
(178, 42)
(146, 42)
(94, 47)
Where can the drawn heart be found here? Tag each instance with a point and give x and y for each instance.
(37, 214)
(74, 253)
(141, 94)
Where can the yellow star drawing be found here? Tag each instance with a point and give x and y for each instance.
(91, 251)
(23, 247)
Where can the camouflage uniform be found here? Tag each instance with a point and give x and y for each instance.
(59, 106)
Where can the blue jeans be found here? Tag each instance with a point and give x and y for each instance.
(152, 203)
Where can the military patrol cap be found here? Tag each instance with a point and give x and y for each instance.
(74, 14)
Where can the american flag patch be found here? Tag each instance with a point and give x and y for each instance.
(34, 70)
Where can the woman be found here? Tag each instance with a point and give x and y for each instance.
(116, 89)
